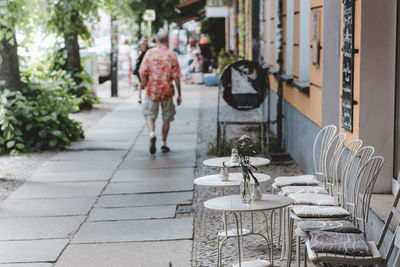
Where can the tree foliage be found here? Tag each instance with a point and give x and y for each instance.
(131, 11)
(72, 16)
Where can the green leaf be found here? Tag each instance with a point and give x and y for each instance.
(53, 142)
(56, 133)
(20, 146)
(42, 133)
(10, 144)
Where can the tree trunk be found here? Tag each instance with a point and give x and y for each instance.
(73, 63)
(9, 67)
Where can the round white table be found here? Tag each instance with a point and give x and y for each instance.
(233, 204)
(217, 162)
(234, 180)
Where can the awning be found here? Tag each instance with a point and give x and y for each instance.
(192, 17)
(190, 10)
(189, 5)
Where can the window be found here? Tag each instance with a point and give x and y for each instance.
(289, 36)
(304, 46)
(268, 31)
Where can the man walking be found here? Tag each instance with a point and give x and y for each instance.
(158, 69)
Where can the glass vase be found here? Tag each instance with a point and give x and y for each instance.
(245, 189)
(255, 192)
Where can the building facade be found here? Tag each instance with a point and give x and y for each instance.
(337, 66)
(332, 62)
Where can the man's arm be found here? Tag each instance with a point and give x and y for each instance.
(178, 88)
(144, 70)
(143, 77)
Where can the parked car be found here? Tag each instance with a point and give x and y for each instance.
(104, 61)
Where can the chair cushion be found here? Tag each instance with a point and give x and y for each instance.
(286, 190)
(329, 226)
(339, 243)
(312, 199)
(307, 211)
(307, 179)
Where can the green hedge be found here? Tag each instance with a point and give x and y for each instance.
(37, 118)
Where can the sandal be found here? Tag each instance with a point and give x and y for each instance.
(165, 149)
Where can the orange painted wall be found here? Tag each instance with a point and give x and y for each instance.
(308, 104)
(356, 72)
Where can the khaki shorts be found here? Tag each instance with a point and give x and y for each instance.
(150, 109)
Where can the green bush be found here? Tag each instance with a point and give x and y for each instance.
(77, 84)
(37, 118)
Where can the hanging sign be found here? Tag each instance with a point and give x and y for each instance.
(149, 15)
(217, 12)
(348, 65)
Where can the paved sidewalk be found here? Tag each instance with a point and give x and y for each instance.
(106, 201)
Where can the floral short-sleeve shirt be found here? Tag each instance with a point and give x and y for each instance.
(161, 67)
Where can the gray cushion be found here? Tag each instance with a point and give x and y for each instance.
(329, 226)
(339, 243)
(286, 190)
(307, 211)
(307, 179)
(312, 199)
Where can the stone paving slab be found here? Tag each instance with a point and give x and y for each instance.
(182, 142)
(177, 128)
(38, 227)
(45, 207)
(100, 145)
(175, 153)
(121, 122)
(168, 184)
(31, 250)
(152, 174)
(58, 190)
(132, 213)
(158, 161)
(138, 230)
(98, 155)
(137, 200)
(103, 164)
(128, 254)
(113, 135)
(71, 176)
(27, 265)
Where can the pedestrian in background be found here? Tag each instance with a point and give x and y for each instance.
(139, 58)
(158, 71)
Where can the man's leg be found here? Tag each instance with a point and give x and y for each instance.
(165, 130)
(168, 109)
(151, 124)
(150, 110)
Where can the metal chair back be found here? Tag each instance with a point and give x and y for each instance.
(330, 160)
(363, 186)
(356, 160)
(320, 147)
(344, 159)
(395, 241)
